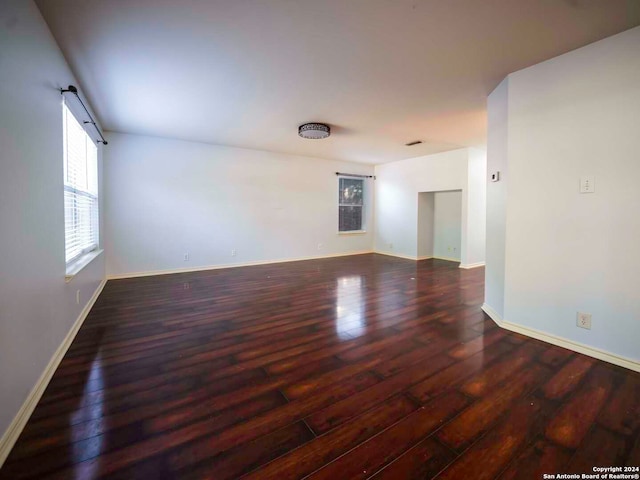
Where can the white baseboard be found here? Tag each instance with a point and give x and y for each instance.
(411, 257)
(229, 265)
(495, 316)
(15, 428)
(562, 342)
(457, 260)
(472, 265)
(398, 255)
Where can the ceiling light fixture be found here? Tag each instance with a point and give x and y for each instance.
(314, 131)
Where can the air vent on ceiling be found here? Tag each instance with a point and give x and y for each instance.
(411, 144)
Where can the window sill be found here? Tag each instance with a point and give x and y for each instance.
(80, 263)
(353, 232)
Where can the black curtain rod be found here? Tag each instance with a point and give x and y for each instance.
(355, 175)
(74, 90)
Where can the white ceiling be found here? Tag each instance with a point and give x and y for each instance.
(381, 72)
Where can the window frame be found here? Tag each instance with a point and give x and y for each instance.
(363, 225)
(87, 253)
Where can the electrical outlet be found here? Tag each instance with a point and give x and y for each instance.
(186, 257)
(583, 320)
(77, 297)
(319, 246)
(234, 252)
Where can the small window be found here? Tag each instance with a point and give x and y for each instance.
(350, 204)
(80, 189)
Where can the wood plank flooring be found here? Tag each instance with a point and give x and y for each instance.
(347, 368)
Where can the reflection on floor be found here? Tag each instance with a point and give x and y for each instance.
(354, 367)
(350, 315)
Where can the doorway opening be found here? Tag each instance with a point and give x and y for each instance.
(440, 225)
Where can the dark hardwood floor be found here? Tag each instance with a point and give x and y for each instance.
(346, 368)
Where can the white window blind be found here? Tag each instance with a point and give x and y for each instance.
(80, 189)
(350, 204)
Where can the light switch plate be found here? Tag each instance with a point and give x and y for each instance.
(495, 177)
(587, 184)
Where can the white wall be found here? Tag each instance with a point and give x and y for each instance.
(426, 210)
(37, 307)
(496, 195)
(575, 115)
(166, 198)
(476, 220)
(447, 225)
(397, 187)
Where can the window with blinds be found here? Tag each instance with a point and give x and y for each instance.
(350, 204)
(80, 189)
